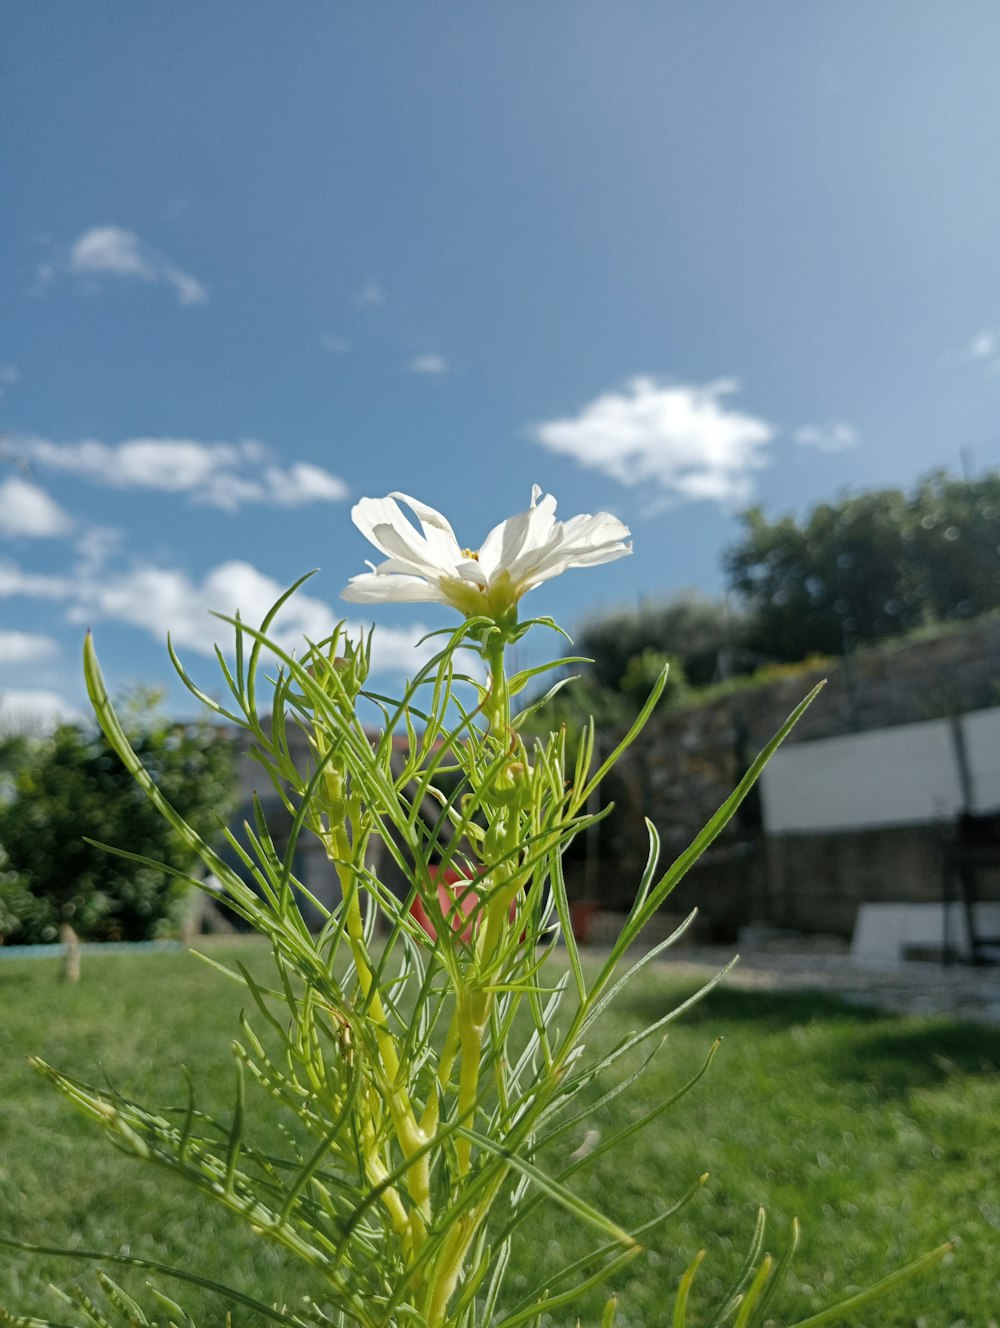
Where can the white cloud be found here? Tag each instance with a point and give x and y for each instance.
(33, 585)
(982, 346)
(334, 344)
(25, 647)
(982, 349)
(370, 296)
(431, 364)
(828, 437)
(220, 474)
(110, 249)
(682, 438)
(94, 547)
(303, 483)
(113, 251)
(189, 289)
(176, 465)
(27, 510)
(163, 600)
(33, 711)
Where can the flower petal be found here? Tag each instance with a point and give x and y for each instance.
(560, 563)
(409, 551)
(469, 570)
(436, 528)
(594, 529)
(584, 541)
(367, 513)
(519, 535)
(429, 566)
(388, 588)
(383, 521)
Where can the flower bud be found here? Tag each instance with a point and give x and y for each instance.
(512, 785)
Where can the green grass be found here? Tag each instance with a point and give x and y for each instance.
(880, 1133)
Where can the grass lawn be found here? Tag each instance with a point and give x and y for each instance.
(880, 1133)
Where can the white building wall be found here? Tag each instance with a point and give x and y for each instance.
(982, 741)
(907, 775)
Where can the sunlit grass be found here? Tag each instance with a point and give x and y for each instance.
(880, 1133)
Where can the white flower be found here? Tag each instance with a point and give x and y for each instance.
(516, 556)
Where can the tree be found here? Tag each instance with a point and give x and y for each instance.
(70, 785)
(688, 628)
(629, 647)
(869, 566)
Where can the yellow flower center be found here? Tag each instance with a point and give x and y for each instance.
(471, 553)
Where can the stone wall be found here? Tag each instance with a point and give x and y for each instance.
(689, 759)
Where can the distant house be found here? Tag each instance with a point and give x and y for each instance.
(858, 805)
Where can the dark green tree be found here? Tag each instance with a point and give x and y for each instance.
(869, 566)
(612, 707)
(699, 638)
(688, 628)
(70, 785)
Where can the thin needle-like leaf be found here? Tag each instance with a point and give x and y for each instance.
(854, 1303)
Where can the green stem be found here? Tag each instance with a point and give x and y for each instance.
(408, 1132)
(472, 1014)
(471, 1024)
(498, 709)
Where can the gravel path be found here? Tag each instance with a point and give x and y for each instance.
(911, 988)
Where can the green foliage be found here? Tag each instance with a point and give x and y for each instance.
(16, 900)
(412, 1104)
(894, 1131)
(869, 566)
(764, 676)
(624, 657)
(688, 629)
(642, 672)
(423, 1080)
(62, 788)
(582, 698)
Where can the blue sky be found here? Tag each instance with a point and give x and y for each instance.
(663, 259)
